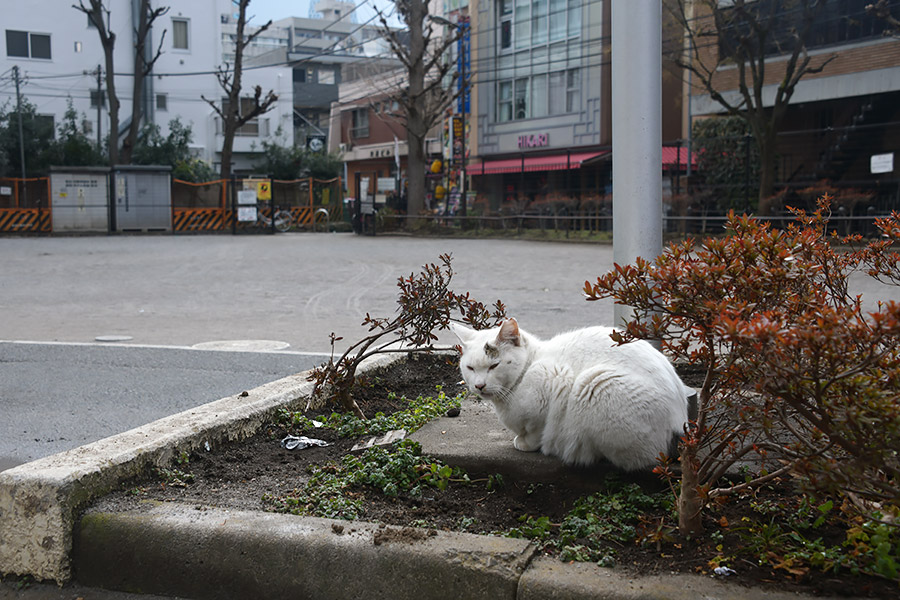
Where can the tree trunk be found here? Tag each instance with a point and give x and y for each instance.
(690, 504)
(768, 167)
(415, 173)
(416, 124)
(137, 88)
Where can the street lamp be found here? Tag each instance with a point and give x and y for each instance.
(462, 29)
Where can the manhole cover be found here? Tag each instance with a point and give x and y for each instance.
(113, 338)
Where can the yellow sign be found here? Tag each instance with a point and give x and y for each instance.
(264, 190)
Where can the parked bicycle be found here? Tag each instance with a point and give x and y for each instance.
(284, 220)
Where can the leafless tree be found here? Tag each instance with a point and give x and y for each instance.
(235, 113)
(95, 12)
(756, 39)
(425, 96)
(143, 64)
(882, 10)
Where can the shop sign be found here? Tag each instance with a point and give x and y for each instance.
(882, 163)
(537, 140)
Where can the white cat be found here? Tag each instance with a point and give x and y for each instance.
(578, 396)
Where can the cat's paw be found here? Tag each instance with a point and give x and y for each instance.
(519, 443)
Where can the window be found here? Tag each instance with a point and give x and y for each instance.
(326, 76)
(504, 109)
(544, 37)
(557, 101)
(162, 102)
(573, 90)
(539, 22)
(299, 75)
(97, 99)
(540, 95)
(521, 98)
(180, 39)
(833, 22)
(360, 127)
(506, 13)
(27, 45)
(78, 47)
(557, 20)
(522, 28)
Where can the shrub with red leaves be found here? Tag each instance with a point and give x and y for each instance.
(798, 375)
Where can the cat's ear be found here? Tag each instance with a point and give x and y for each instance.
(462, 332)
(509, 333)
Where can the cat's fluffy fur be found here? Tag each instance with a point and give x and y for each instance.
(577, 396)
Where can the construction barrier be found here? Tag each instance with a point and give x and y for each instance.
(209, 206)
(199, 206)
(25, 205)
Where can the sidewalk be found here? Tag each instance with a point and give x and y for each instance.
(198, 552)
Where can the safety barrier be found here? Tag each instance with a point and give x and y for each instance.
(25, 205)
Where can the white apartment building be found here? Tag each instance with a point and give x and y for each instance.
(58, 53)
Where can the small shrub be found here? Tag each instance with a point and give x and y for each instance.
(425, 304)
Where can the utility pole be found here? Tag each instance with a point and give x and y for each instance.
(463, 58)
(636, 134)
(21, 134)
(99, 107)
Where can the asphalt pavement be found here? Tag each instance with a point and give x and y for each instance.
(61, 396)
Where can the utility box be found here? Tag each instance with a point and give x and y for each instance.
(79, 199)
(142, 198)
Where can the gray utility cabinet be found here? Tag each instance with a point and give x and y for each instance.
(79, 199)
(142, 198)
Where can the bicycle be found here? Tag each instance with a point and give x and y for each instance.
(284, 220)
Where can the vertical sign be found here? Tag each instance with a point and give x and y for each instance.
(463, 66)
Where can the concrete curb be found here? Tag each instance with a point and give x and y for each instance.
(211, 553)
(206, 553)
(40, 500)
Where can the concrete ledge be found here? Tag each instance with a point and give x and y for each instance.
(203, 553)
(477, 442)
(550, 579)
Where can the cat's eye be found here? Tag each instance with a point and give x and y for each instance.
(493, 366)
(470, 367)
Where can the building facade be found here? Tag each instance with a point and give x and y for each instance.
(542, 100)
(839, 119)
(61, 60)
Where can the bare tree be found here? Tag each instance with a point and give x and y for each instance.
(424, 98)
(143, 64)
(234, 112)
(882, 10)
(746, 35)
(95, 13)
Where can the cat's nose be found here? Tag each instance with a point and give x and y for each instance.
(479, 386)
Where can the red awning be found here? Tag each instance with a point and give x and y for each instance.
(674, 157)
(555, 162)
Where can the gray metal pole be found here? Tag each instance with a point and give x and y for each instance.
(636, 133)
